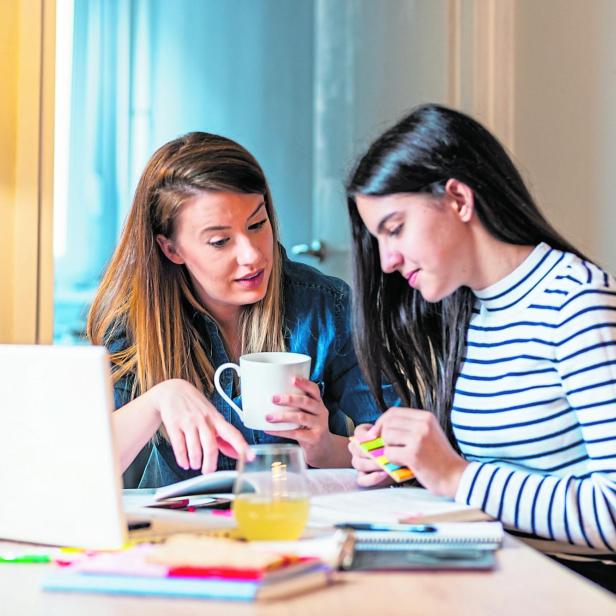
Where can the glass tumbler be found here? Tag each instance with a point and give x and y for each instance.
(271, 493)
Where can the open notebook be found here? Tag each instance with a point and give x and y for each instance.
(320, 481)
(389, 505)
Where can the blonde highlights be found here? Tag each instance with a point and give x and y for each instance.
(149, 300)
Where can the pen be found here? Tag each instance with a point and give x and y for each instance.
(406, 528)
(139, 525)
(171, 504)
(25, 558)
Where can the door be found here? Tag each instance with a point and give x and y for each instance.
(373, 62)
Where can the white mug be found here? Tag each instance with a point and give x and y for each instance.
(263, 375)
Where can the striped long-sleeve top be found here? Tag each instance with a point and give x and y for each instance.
(535, 402)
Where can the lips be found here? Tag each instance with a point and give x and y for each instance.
(412, 278)
(252, 280)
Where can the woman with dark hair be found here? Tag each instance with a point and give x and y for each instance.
(199, 278)
(499, 336)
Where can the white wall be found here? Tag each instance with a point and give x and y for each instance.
(565, 116)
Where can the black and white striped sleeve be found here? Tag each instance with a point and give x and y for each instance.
(576, 508)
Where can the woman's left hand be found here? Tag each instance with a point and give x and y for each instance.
(413, 438)
(321, 447)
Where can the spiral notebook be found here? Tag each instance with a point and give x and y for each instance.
(479, 535)
(453, 545)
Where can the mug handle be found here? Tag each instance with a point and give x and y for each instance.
(220, 390)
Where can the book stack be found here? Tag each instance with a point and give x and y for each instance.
(193, 567)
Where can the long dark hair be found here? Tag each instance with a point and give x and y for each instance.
(416, 345)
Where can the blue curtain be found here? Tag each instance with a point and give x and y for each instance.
(100, 48)
(146, 71)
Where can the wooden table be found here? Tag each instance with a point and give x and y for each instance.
(525, 583)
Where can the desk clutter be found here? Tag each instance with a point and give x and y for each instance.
(192, 548)
(201, 566)
(192, 566)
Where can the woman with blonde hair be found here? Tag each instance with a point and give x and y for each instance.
(198, 279)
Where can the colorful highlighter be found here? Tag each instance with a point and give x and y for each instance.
(376, 448)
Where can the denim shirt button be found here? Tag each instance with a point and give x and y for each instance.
(321, 385)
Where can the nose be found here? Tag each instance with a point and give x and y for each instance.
(248, 252)
(391, 260)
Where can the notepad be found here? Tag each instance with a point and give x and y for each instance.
(376, 448)
(480, 535)
(450, 546)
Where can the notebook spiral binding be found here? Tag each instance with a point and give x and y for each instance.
(392, 540)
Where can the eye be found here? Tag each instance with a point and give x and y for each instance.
(395, 231)
(257, 225)
(219, 243)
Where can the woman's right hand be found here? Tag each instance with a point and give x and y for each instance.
(370, 473)
(195, 428)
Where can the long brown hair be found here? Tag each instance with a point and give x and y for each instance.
(417, 345)
(149, 300)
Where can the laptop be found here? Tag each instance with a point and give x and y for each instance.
(60, 481)
(59, 475)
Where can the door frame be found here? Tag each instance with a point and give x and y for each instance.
(482, 63)
(27, 283)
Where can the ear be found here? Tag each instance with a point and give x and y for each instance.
(168, 248)
(462, 198)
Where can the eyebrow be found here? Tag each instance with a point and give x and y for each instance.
(381, 226)
(223, 228)
(262, 204)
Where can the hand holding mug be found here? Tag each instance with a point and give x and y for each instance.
(312, 417)
(263, 376)
(279, 398)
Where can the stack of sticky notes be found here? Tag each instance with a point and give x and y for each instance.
(375, 448)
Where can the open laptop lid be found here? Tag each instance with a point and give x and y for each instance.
(60, 481)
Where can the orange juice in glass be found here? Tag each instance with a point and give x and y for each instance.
(271, 494)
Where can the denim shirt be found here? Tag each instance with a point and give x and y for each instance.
(317, 322)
